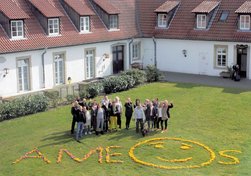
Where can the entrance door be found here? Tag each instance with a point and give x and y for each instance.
(118, 58)
(242, 60)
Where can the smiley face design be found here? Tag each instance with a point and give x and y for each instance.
(172, 153)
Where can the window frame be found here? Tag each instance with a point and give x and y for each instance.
(200, 23)
(56, 75)
(113, 22)
(28, 79)
(17, 27)
(84, 24)
(246, 25)
(86, 61)
(218, 50)
(53, 27)
(136, 48)
(162, 22)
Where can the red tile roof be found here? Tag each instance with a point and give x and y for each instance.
(167, 6)
(46, 8)
(35, 37)
(244, 8)
(12, 10)
(205, 7)
(107, 6)
(183, 22)
(82, 7)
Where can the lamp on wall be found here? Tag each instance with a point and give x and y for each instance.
(105, 56)
(6, 71)
(69, 80)
(184, 52)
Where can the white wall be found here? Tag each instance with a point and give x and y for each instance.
(75, 66)
(199, 58)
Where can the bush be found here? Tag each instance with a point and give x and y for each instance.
(53, 97)
(23, 106)
(94, 89)
(70, 98)
(118, 83)
(152, 73)
(139, 76)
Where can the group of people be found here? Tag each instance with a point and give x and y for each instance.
(105, 116)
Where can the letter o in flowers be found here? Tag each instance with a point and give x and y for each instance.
(172, 153)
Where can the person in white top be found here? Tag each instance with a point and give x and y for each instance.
(159, 115)
(88, 121)
(139, 116)
(119, 105)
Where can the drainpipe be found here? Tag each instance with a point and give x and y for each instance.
(130, 60)
(43, 72)
(155, 52)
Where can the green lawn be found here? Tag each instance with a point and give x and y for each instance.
(219, 118)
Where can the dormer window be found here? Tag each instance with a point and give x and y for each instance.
(165, 13)
(85, 24)
(113, 19)
(244, 12)
(204, 14)
(53, 26)
(244, 22)
(162, 20)
(17, 29)
(201, 21)
(108, 13)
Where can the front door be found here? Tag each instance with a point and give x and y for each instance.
(242, 60)
(118, 58)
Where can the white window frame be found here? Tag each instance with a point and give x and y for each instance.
(244, 22)
(23, 74)
(59, 68)
(19, 32)
(54, 26)
(201, 21)
(162, 20)
(84, 24)
(136, 48)
(89, 63)
(113, 21)
(221, 56)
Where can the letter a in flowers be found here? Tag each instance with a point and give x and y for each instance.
(39, 155)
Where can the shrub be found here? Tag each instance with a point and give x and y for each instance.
(53, 97)
(152, 73)
(70, 98)
(23, 106)
(139, 76)
(118, 83)
(94, 89)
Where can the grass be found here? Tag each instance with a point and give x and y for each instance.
(217, 117)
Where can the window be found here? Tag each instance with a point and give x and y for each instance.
(162, 20)
(136, 51)
(53, 26)
(201, 21)
(23, 74)
(224, 15)
(89, 63)
(17, 29)
(113, 21)
(221, 56)
(59, 69)
(84, 24)
(244, 22)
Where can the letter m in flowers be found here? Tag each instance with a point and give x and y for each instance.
(99, 150)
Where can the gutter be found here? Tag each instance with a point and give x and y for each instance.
(155, 51)
(130, 59)
(43, 69)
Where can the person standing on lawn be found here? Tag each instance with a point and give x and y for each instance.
(128, 112)
(139, 116)
(81, 120)
(165, 114)
(74, 112)
(119, 107)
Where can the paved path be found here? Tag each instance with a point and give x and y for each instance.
(206, 80)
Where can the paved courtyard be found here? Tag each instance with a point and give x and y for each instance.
(206, 80)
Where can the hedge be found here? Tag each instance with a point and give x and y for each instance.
(23, 105)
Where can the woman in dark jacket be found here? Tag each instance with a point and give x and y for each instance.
(128, 112)
(74, 112)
